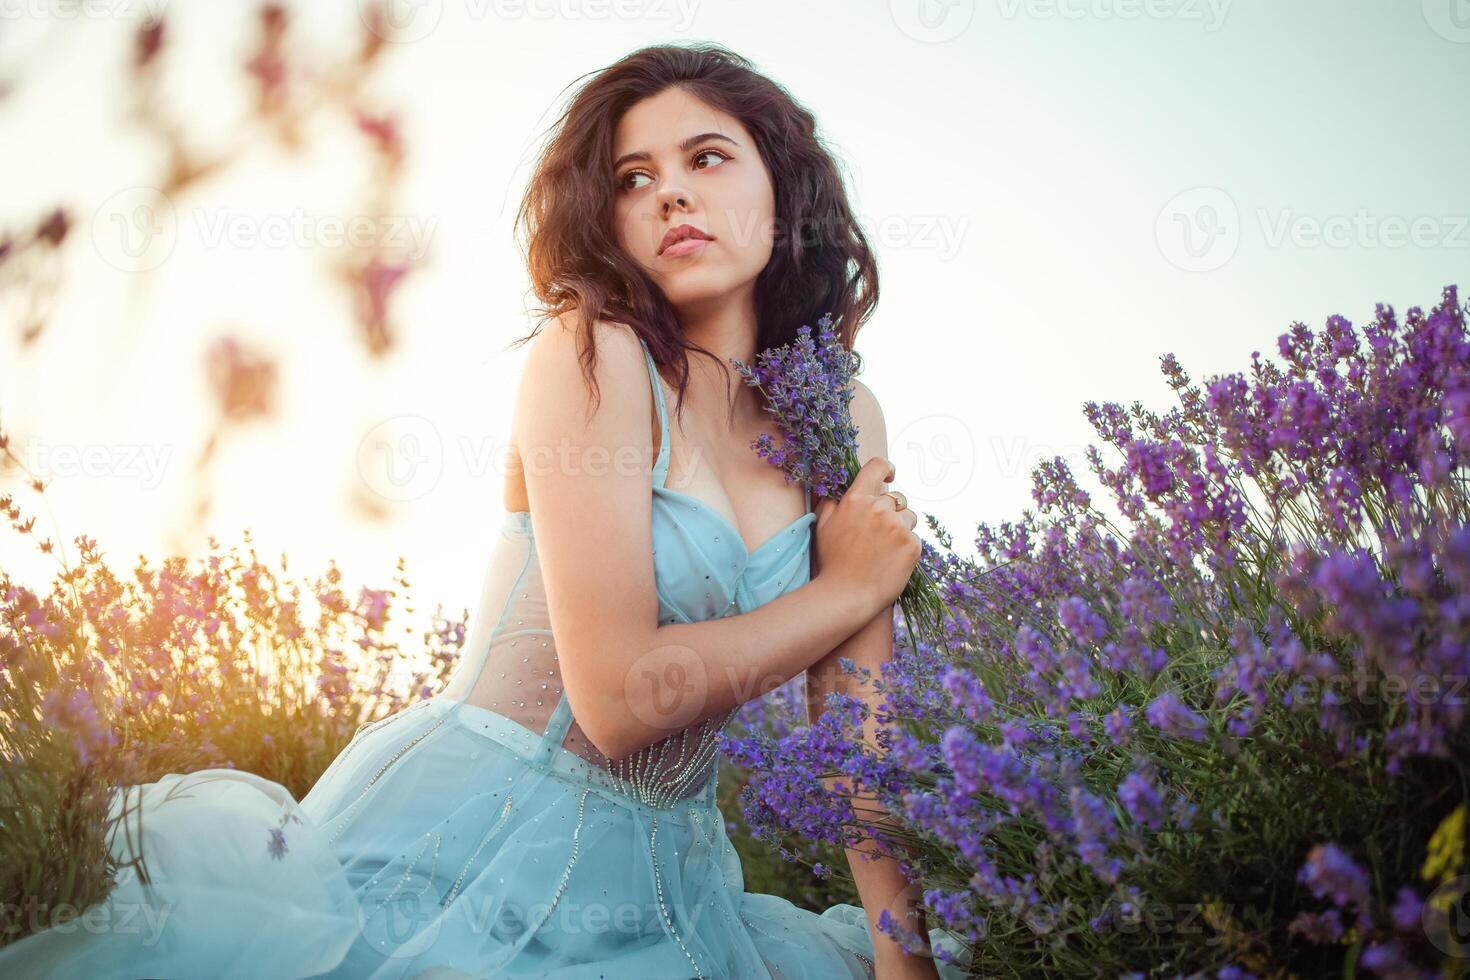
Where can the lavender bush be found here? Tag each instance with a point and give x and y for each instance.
(1220, 733)
(774, 870)
(225, 662)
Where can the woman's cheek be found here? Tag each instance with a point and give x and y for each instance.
(633, 235)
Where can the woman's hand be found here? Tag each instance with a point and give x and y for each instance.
(863, 542)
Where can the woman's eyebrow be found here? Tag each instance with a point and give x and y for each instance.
(684, 146)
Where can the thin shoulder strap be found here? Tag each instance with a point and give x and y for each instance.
(660, 465)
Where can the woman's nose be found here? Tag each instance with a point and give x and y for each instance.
(674, 197)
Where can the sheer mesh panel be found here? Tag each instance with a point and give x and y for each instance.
(510, 666)
(509, 663)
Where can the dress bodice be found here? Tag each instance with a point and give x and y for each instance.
(702, 567)
(702, 570)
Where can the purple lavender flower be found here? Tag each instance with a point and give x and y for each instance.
(808, 385)
(1330, 873)
(1141, 800)
(1170, 715)
(1408, 910)
(1318, 927)
(1233, 972)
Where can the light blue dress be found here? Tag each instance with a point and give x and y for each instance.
(479, 833)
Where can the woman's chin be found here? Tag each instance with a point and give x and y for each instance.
(695, 288)
(684, 294)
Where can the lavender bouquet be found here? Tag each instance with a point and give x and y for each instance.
(808, 385)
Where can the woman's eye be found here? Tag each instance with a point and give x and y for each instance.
(623, 184)
(707, 153)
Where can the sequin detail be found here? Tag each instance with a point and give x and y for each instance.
(650, 777)
(567, 871)
(459, 879)
(368, 727)
(408, 871)
(345, 820)
(658, 886)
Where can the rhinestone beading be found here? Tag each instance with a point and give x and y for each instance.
(654, 774)
(403, 879)
(658, 887)
(368, 727)
(357, 803)
(459, 879)
(567, 871)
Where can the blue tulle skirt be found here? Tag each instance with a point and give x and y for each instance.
(445, 842)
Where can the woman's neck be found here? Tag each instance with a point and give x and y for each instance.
(729, 332)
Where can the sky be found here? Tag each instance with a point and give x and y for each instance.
(1059, 192)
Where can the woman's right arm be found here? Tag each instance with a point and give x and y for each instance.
(630, 681)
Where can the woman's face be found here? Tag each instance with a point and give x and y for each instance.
(680, 161)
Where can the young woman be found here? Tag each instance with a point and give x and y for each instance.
(552, 813)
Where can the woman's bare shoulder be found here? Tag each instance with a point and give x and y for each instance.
(872, 428)
(554, 396)
(559, 349)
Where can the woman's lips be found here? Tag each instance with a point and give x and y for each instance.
(686, 246)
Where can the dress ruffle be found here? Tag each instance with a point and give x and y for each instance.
(444, 842)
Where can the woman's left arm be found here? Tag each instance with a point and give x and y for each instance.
(880, 883)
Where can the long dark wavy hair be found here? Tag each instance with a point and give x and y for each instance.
(820, 263)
